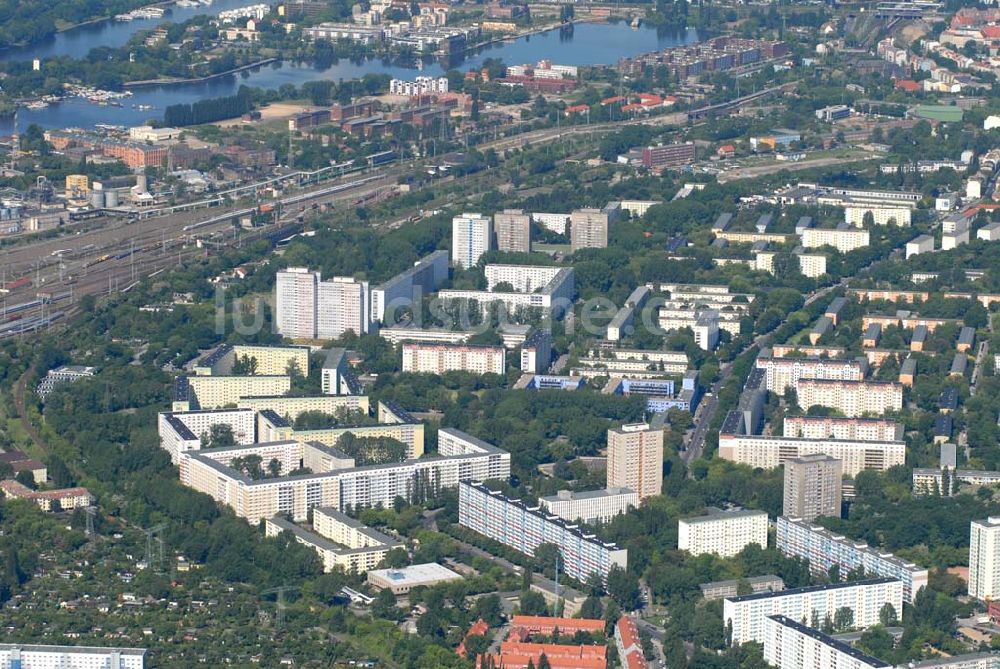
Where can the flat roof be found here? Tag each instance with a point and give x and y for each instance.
(766, 578)
(323, 543)
(71, 650)
(826, 640)
(811, 588)
(572, 495)
(416, 574)
(723, 515)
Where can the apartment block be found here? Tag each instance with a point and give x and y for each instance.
(471, 237)
(984, 558)
(824, 549)
(62, 499)
(788, 644)
(393, 422)
(918, 245)
(731, 588)
(621, 324)
(768, 452)
(724, 533)
(365, 552)
(290, 407)
(783, 374)
(592, 506)
(829, 427)
(813, 487)
(306, 307)
(340, 487)
(513, 231)
(406, 289)
(215, 392)
(535, 287)
(295, 302)
(852, 398)
(342, 306)
(659, 157)
(747, 615)
(524, 528)
(536, 352)
(265, 360)
(854, 215)
(589, 229)
(441, 358)
(182, 431)
(32, 656)
(635, 459)
(926, 481)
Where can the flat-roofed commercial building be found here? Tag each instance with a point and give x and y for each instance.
(768, 452)
(783, 374)
(746, 615)
(824, 549)
(524, 528)
(441, 358)
(789, 644)
(724, 533)
(852, 398)
(37, 656)
(400, 581)
(513, 231)
(635, 459)
(592, 506)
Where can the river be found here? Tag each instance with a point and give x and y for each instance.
(585, 44)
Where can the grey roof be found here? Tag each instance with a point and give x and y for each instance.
(839, 646)
(967, 335)
(810, 588)
(959, 363)
(71, 650)
(335, 358)
(836, 304)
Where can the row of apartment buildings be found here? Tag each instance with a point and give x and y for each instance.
(341, 487)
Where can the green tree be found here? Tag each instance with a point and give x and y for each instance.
(384, 605)
(533, 604)
(26, 478)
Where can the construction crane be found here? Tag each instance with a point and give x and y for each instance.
(280, 593)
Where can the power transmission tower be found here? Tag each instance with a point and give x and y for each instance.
(154, 546)
(280, 598)
(90, 512)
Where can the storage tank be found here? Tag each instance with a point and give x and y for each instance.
(111, 198)
(97, 199)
